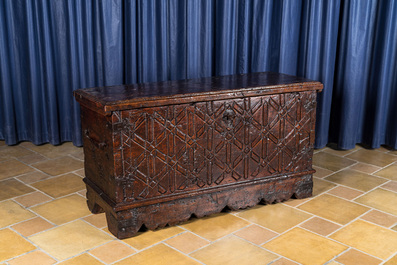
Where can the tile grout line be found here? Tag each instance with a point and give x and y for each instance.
(101, 261)
(185, 254)
(387, 180)
(343, 226)
(37, 247)
(367, 206)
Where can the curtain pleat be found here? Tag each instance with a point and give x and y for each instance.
(226, 23)
(50, 48)
(364, 75)
(317, 55)
(381, 83)
(8, 78)
(200, 21)
(290, 29)
(261, 30)
(350, 90)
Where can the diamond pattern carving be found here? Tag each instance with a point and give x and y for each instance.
(177, 148)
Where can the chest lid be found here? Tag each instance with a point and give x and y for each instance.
(121, 97)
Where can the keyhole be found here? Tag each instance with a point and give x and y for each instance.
(228, 117)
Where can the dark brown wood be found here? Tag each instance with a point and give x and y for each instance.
(158, 153)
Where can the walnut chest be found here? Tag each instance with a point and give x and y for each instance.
(158, 153)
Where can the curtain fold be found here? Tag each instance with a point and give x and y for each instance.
(317, 56)
(50, 48)
(200, 19)
(364, 75)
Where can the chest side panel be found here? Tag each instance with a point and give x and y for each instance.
(179, 148)
(98, 151)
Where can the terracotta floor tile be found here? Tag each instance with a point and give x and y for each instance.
(366, 168)
(148, 238)
(316, 150)
(10, 188)
(83, 193)
(331, 162)
(187, 242)
(340, 152)
(284, 261)
(27, 144)
(31, 159)
(233, 251)
(380, 218)
(384, 149)
(295, 202)
(320, 226)
(33, 199)
(372, 239)
(106, 230)
(112, 252)
(12, 168)
(79, 154)
(354, 257)
(392, 185)
(392, 261)
(373, 157)
(256, 234)
(32, 177)
(394, 228)
(305, 247)
(215, 226)
(333, 208)
(12, 245)
(269, 216)
(33, 258)
(356, 179)
(32, 226)
(98, 220)
(320, 186)
(380, 199)
(52, 151)
(392, 151)
(60, 186)
(80, 172)
(158, 255)
(63, 210)
(7, 152)
(59, 166)
(346, 193)
(322, 172)
(84, 259)
(11, 212)
(70, 239)
(389, 172)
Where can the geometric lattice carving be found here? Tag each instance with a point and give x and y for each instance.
(171, 149)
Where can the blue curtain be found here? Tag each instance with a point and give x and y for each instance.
(364, 101)
(47, 50)
(50, 48)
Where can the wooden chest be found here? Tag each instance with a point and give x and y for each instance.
(158, 153)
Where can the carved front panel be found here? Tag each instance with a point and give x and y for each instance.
(171, 149)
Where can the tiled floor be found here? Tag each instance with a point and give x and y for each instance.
(351, 219)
